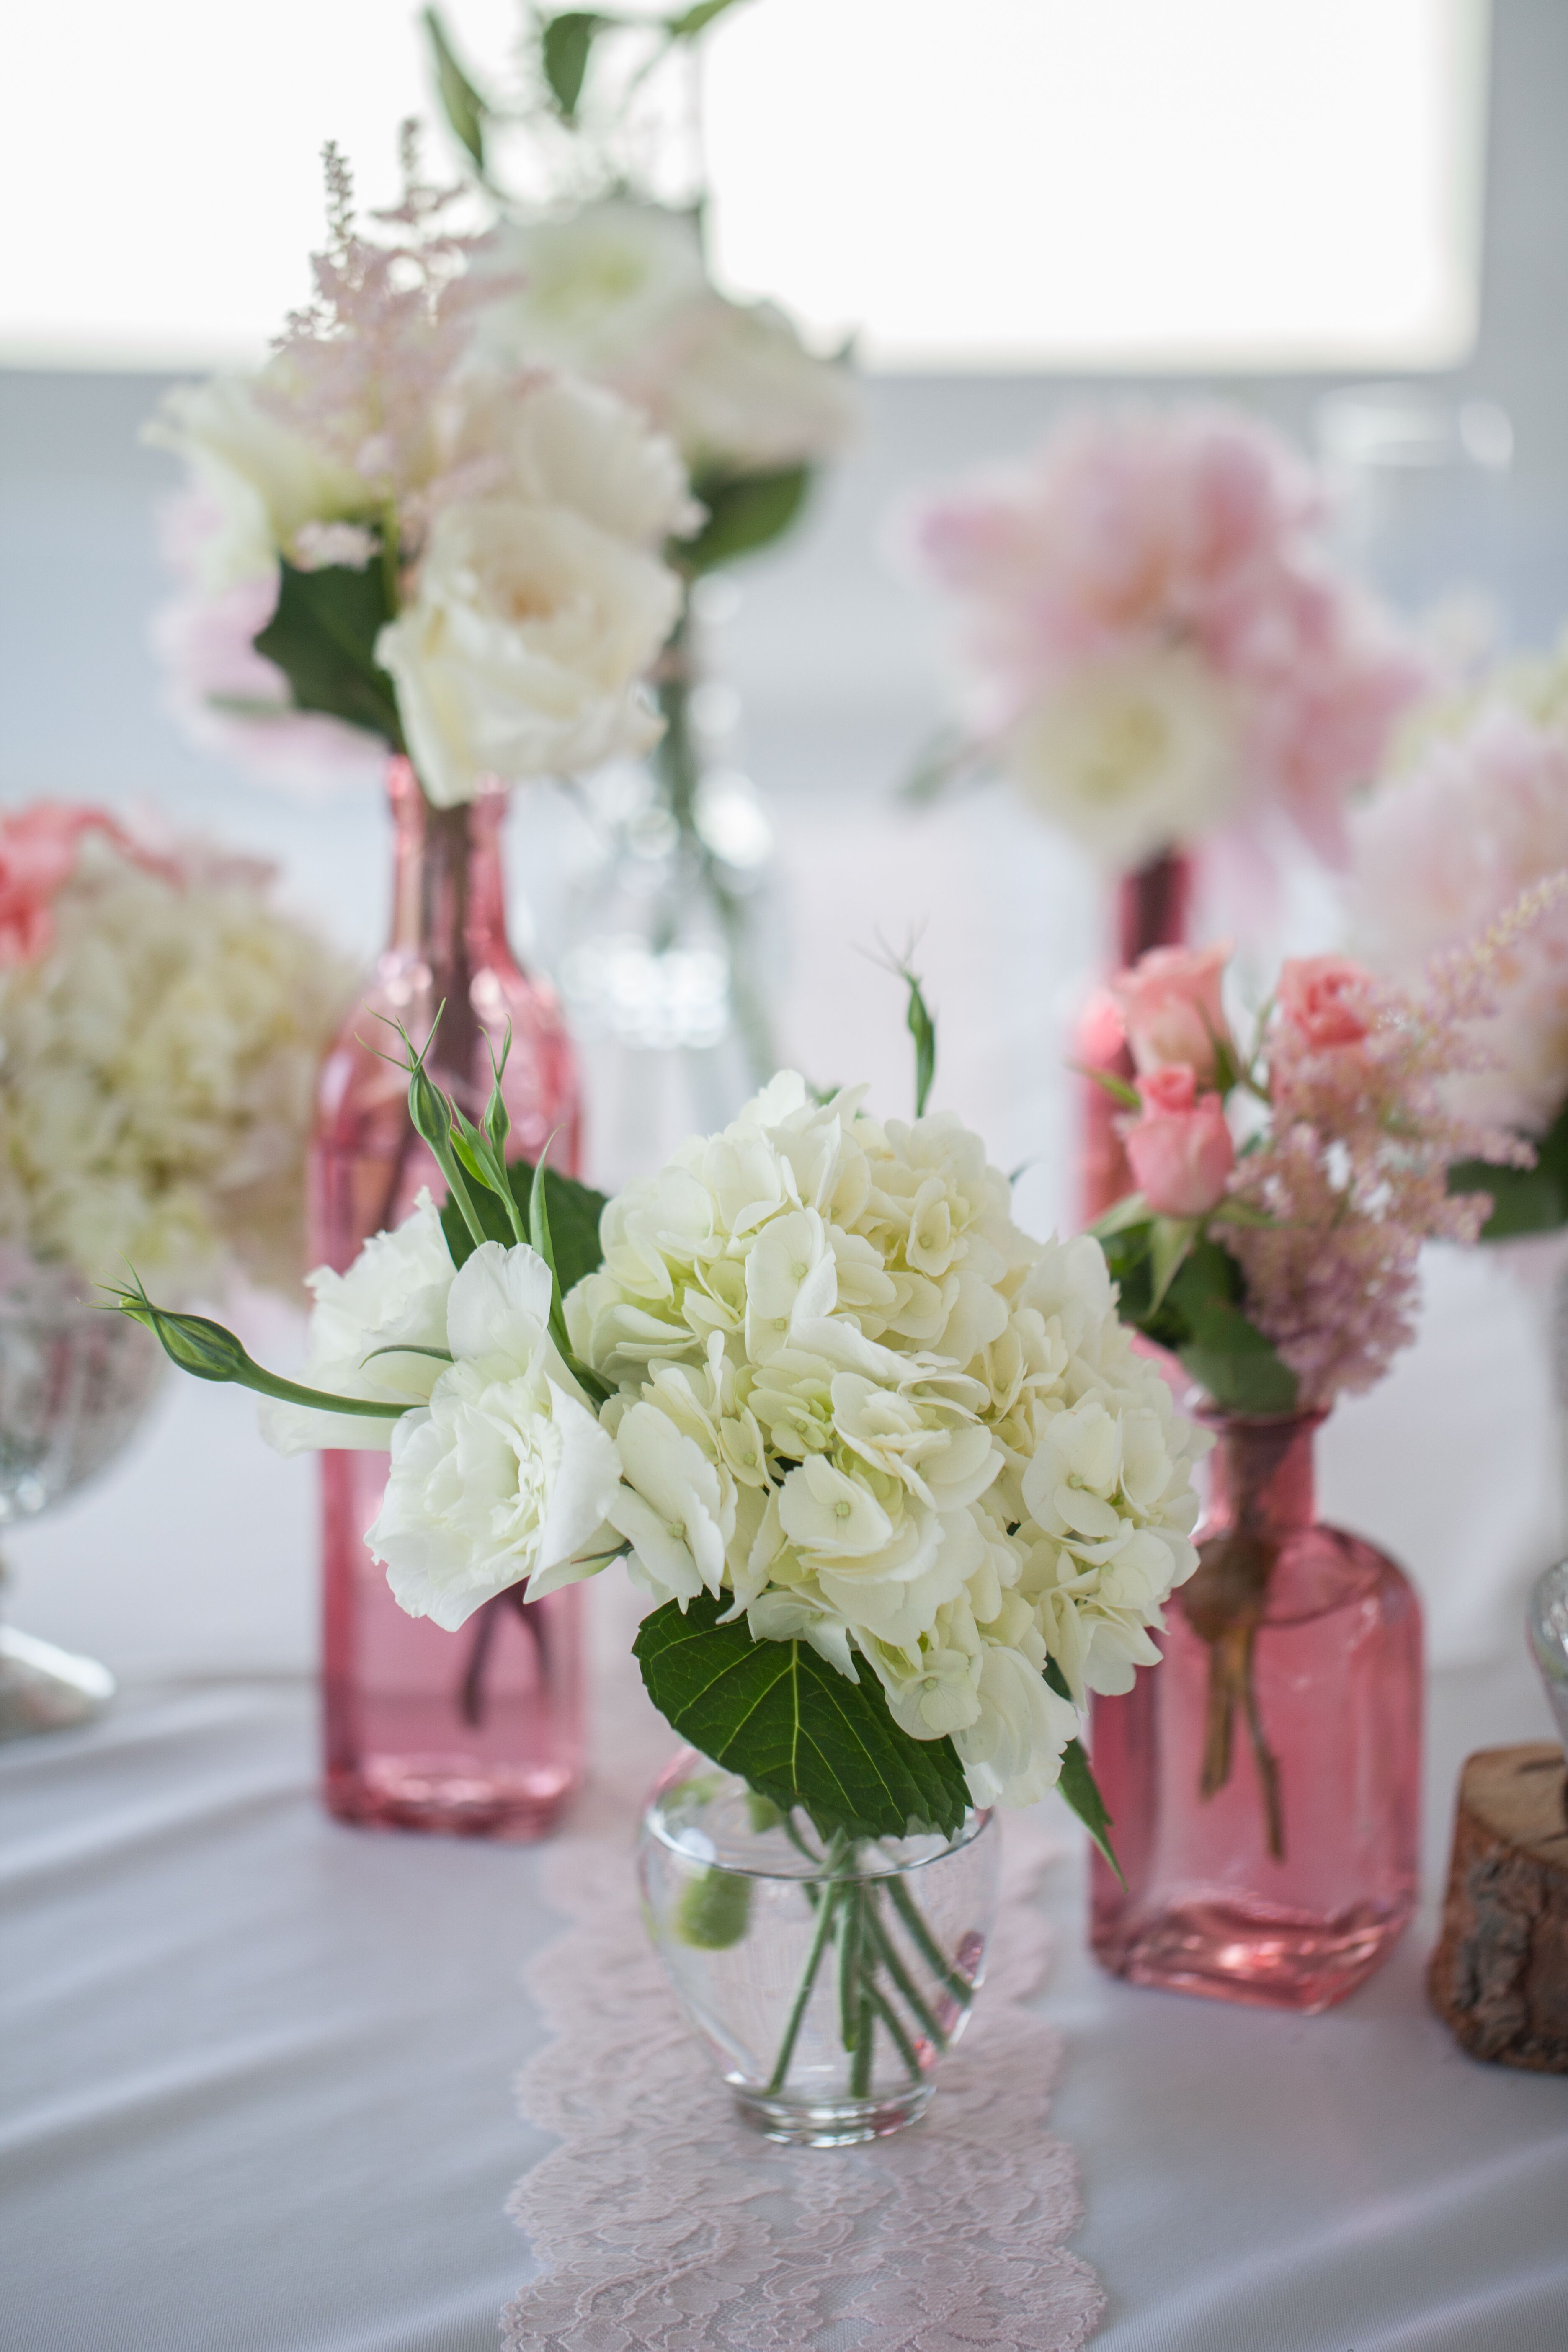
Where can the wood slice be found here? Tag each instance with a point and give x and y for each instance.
(1498, 1977)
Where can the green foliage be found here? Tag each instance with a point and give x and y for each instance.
(745, 512)
(1081, 1791)
(1196, 1313)
(1524, 1200)
(923, 1029)
(462, 104)
(573, 1209)
(714, 1911)
(565, 46)
(197, 1345)
(796, 1729)
(322, 637)
(692, 21)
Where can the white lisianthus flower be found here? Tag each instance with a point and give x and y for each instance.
(265, 481)
(378, 1331)
(506, 1474)
(1129, 753)
(521, 653)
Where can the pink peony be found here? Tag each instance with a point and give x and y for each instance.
(1170, 1004)
(37, 852)
(1326, 1000)
(1179, 1147)
(1195, 532)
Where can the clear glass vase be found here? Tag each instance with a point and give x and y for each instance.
(477, 1733)
(1153, 907)
(825, 1979)
(1264, 1782)
(75, 1386)
(669, 951)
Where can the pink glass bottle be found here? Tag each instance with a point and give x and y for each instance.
(1264, 1781)
(1152, 906)
(477, 1733)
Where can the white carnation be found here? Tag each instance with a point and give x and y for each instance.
(506, 1474)
(378, 1331)
(521, 653)
(1129, 753)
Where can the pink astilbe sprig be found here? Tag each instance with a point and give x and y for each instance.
(360, 372)
(1353, 1166)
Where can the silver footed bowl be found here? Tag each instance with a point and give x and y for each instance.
(75, 1386)
(1549, 1638)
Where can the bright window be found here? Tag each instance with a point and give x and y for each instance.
(1262, 183)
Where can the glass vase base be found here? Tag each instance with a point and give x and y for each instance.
(829, 2123)
(438, 1797)
(46, 1689)
(1228, 1951)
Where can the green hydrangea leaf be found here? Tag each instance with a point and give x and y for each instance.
(745, 512)
(1080, 1791)
(1230, 1357)
(322, 637)
(795, 1729)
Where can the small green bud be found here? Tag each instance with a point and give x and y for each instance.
(714, 1911)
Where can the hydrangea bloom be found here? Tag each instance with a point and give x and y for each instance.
(161, 1031)
(1156, 645)
(851, 1396)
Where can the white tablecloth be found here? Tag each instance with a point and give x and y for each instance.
(257, 2082)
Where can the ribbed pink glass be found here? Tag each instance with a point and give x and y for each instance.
(477, 1733)
(1153, 904)
(1264, 1781)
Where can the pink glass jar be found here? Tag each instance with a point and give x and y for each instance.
(1152, 906)
(480, 1732)
(1264, 1781)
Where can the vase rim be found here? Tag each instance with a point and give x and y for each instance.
(689, 1764)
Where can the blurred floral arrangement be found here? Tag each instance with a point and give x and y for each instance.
(393, 542)
(1286, 1189)
(1473, 812)
(1157, 647)
(160, 1033)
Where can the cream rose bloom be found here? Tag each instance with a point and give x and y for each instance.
(265, 481)
(367, 1327)
(1130, 754)
(601, 289)
(506, 1474)
(521, 652)
(748, 397)
(567, 443)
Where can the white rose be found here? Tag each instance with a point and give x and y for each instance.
(746, 396)
(522, 651)
(565, 443)
(1130, 754)
(507, 1474)
(394, 1297)
(265, 481)
(599, 287)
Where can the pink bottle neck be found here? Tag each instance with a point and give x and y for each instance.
(1152, 906)
(449, 900)
(1260, 1473)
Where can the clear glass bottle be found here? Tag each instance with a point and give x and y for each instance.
(1152, 907)
(477, 1733)
(1264, 1781)
(826, 1979)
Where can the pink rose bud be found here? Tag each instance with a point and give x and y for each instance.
(1169, 1000)
(1100, 1035)
(1325, 999)
(1179, 1147)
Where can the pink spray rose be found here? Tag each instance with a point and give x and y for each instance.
(37, 852)
(1178, 1147)
(1170, 1002)
(1326, 1000)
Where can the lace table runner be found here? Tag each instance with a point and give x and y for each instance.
(664, 2225)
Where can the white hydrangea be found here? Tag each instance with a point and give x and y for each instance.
(852, 1396)
(158, 1062)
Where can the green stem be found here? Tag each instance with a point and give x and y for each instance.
(851, 1912)
(860, 2071)
(829, 1905)
(887, 1952)
(910, 1913)
(906, 2048)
